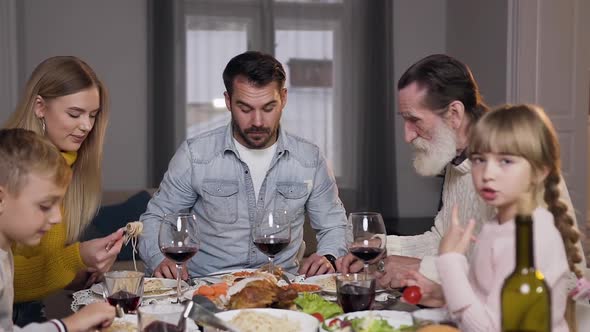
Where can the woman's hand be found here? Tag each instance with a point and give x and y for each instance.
(457, 239)
(100, 254)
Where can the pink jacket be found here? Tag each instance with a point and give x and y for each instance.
(473, 292)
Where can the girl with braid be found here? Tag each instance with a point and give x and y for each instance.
(515, 155)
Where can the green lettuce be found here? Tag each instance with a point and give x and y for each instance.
(313, 303)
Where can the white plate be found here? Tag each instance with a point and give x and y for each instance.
(130, 323)
(218, 276)
(230, 271)
(326, 281)
(394, 318)
(168, 283)
(307, 323)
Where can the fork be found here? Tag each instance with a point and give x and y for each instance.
(284, 277)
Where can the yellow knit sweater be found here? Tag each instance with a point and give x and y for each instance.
(49, 266)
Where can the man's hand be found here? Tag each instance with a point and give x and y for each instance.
(456, 238)
(349, 264)
(315, 265)
(167, 269)
(432, 293)
(395, 267)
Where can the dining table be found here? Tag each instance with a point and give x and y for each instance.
(385, 299)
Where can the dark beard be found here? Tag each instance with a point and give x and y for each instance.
(251, 144)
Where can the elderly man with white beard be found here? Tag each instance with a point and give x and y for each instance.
(439, 101)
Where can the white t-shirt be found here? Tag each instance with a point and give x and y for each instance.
(258, 161)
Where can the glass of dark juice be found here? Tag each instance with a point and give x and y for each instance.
(355, 291)
(160, 318)
(124, 288)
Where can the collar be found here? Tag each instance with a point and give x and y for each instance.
(229, 145)
(461, 163)
(459, 159)
(70, 157)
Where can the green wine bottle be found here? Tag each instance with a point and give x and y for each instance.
(526, 298)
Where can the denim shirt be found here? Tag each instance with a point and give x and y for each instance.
(207, 177)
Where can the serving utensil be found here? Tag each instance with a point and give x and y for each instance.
(204, 317)
(206, 303)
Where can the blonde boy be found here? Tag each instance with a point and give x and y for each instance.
(33, 180)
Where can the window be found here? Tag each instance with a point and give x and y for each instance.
(339, 63)
(305, 45)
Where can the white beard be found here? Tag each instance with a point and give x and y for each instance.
(430, 158)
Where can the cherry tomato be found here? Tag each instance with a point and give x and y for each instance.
(412, 294)
(335, 322)
(318, 316)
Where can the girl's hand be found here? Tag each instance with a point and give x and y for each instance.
(432, 293)
(457, 239)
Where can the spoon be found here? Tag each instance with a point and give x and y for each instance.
(119, 312)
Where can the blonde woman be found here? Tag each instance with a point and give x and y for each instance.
(65, 101)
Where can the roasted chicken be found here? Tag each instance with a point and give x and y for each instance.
(262, 294)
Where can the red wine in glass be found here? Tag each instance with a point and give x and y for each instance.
(128, 301)
(179, 254)
(368, 236)
(271, 246)
(160, 326)
(178, 240)
(356, 298)
(272, 233)
(366, 254)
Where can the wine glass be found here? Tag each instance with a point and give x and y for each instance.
(272, 233)
(178, 240)
(369, 236)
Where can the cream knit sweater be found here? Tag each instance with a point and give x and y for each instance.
(458, 190)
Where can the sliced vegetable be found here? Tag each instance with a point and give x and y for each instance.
(318, 316)
(212, 291)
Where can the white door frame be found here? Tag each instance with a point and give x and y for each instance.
(535, 29)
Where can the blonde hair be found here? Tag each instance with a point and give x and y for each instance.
(526, 131)
(56, 77)
(23, 152)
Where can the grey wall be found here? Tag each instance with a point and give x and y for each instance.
(110, 35)
(477, 34)
(419, 30)
(8, 58)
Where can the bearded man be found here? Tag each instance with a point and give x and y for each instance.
(230, 175)
(439, 101)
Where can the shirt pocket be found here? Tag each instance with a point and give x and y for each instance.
(220, 200)
(291, 197)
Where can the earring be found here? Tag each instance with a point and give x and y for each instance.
(42, 124)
